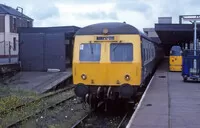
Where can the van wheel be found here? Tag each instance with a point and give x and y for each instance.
(185, 79)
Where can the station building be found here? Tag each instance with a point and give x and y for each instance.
(10, 20)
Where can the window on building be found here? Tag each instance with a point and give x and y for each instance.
(28, 23)
(2, 23)
(14, 24)
(149, 50)
(14, 44)
(145, 53)
(19, 22)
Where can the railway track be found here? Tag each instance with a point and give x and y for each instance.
(102, 121)
(118, 118)
(45, 96)
(25, 111)
(99, 118)
(113, 119)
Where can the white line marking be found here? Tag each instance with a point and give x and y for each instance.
(134, 114)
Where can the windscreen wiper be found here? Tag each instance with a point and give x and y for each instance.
(115, 47)
(91, 47)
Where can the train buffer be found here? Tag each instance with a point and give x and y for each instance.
(168, 102)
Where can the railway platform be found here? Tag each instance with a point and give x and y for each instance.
(168, 102)
(37, 82)
(7, 68)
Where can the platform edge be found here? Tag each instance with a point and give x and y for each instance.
(134, 114)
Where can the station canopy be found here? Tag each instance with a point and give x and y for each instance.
(177, 33)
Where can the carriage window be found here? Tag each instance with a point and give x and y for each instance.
(90, 52)
(121, 52)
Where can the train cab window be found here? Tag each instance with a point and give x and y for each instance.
(121, 52)
(90, 52)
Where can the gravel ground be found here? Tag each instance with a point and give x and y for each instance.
(105, 119)
(63, 116)
(31, 109)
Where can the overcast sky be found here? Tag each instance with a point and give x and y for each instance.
(139, 13)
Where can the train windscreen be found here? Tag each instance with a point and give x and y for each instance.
(90, 52)
(176, 51)
(121, 52)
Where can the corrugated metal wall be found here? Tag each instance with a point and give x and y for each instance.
(54, 50)
(40, 51)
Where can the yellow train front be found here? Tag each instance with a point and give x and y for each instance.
(175, 59)
(111, 61)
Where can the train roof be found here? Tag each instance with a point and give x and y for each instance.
(176, 48)
(113, 28)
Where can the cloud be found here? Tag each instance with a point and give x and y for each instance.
(88, 2)
(194, 2)
(36, 9)
(139, 13)
(133, 5)
(41, 12)
(99, 15)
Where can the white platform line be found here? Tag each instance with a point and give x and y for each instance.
(139, 105)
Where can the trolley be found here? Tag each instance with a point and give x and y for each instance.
(191, 65)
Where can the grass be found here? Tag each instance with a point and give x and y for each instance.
(11, 98)
(29, 109)
(54, 126)
(9, 102)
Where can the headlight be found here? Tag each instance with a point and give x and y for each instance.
(83, 76)
(127, 77)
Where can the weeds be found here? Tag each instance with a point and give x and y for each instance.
(9, 102)
(54, 126)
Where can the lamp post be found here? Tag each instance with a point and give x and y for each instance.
(193, 19)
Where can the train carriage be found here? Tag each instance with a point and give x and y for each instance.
(111, 61)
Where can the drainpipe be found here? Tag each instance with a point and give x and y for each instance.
(9, 52)
(4, 41)
(195, 44)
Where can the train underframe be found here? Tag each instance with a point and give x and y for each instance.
(94, 95)
(125, 93)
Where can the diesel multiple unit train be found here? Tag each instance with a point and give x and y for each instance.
(111, 61)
